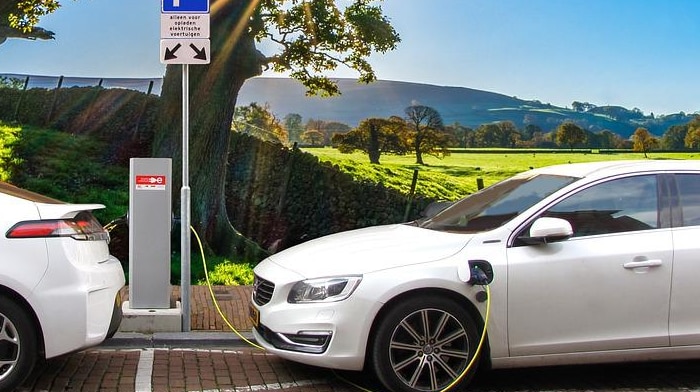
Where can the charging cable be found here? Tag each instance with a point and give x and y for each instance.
(115, 222)
(481, 340)
(211, 292)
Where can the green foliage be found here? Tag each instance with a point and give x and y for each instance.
(8, 136)
(570, 134)
(221, 271)
(692, 138)
(375, 136)
(455, 176)
(259, 121)
(66, 167)
(27, 13)
(280, 197)
(317, 36)
(230, 274)
(674, 138)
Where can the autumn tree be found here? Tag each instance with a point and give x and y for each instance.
(486, 135)
(644, 141)
(259, 121)
(674, 138)
(313, 137)
(692, 138)
(570, 134)
(426, 133)
(326, 129)
(464, 136)
(499, 134)
(331, 128)
(605, 139)
(375, 136)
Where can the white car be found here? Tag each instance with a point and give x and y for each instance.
(59, 286)
(585, 263)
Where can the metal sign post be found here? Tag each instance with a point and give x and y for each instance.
(185, 40)
(185, 245)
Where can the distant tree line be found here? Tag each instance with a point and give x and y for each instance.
(421, 131)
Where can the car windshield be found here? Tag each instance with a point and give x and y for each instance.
(497, 204)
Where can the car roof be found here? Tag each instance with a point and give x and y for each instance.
(12, 190)
(610, 168)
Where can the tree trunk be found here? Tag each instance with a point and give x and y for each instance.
(417, 147)
(373, 147)
(213, 92)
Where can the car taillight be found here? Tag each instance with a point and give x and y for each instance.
(84, 227)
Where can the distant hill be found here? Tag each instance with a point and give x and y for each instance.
(467, 106)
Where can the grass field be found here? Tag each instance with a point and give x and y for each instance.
(456, 175)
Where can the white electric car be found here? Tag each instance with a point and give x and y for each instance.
(59, 286)
(585, 263)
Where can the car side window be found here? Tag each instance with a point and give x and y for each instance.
(689, 194)
(622, 205)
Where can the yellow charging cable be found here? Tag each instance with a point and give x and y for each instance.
(478, 347)
(216, 304)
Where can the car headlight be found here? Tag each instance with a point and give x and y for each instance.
(323, 289)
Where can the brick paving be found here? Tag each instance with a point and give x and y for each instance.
(232, 301)
(180, 370)
(246, 369)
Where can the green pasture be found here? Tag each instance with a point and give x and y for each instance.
(456, 175)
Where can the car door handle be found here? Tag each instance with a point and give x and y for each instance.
(642, 264)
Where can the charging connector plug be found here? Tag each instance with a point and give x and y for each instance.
(481, 272)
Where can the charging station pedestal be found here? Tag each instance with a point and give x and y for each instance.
(150, 220)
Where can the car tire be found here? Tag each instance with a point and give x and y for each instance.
(18, 344)
(423, 344)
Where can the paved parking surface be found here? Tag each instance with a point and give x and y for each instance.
(247, 369)
(212, 359)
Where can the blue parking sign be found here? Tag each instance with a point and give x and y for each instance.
(185, 6)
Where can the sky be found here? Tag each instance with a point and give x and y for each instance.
(642, 54)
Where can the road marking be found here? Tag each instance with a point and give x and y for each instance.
(271, 387)
(144, 371)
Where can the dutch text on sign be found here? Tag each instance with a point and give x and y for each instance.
(184, 25)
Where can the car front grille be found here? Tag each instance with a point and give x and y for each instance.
(262, 290)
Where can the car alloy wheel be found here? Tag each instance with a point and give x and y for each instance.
(424, 344)
(17, 345)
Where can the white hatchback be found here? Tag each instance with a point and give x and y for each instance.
(585, 263)
(59, 286)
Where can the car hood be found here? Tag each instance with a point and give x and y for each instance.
(370, 249)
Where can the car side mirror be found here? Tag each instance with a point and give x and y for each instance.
(546, 230)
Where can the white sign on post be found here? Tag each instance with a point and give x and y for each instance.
(184, 32)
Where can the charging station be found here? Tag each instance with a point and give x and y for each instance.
(150, 224)
(150, 221)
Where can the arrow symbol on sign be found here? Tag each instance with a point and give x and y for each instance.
(201, 54)
(170, 54)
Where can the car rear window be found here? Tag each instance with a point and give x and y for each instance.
(12, 190)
